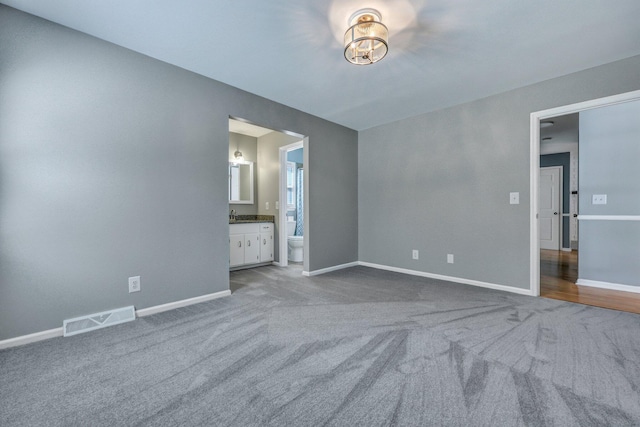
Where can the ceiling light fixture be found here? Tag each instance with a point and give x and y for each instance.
(238, 155)
(366, 40)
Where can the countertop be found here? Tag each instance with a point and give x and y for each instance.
(247, 219)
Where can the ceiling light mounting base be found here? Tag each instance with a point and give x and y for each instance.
(364, 15)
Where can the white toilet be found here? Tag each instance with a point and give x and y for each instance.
(295, 243)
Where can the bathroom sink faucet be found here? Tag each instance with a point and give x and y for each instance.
(232, 215)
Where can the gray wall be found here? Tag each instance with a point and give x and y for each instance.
(269, 177)
(113, 164)
(609, 251)
(248, 145)
(440, 182)
(562, 159)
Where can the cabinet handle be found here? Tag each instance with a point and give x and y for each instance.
(264, 241)
(239, 244)
(248, 242)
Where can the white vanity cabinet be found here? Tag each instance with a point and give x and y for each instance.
(236, 249)
(250, 243)
(266, 242)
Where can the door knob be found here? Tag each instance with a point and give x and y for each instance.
(555, 213)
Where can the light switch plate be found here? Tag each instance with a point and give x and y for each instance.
(266, 205)
(514, 198)
(277, 205)
(599, 199)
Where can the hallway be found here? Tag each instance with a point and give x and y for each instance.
(558, 275)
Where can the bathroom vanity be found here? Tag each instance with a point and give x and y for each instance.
(250, 244)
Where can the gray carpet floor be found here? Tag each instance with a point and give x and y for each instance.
(357, 347)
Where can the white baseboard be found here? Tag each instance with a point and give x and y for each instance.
(27, 339)
(57, 332)
(449, 278)
(608, 217)
(607, 285)
(329, 269)
(276, 263)
(182, 303)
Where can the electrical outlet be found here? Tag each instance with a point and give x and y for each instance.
(599, 199)
(514, 198)
(415, 254)
(450, 258)
(134, 284)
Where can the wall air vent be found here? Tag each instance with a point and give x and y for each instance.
(95, 321)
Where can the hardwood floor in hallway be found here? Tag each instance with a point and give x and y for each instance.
(558, 275)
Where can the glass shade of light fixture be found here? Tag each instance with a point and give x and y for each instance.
(238, 155)
(367, 39)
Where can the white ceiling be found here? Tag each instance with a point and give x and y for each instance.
(442, 52)
(565, 129)
(245, 128)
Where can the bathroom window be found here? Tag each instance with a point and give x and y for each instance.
(291, 185)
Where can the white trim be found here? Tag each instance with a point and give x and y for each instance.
(182, 303)
(607, 285)
(534, 188)
(566, 249)
(448, 278)
(27, 339)
(609, 217)
(329, 269)
(277, 264)
(534, 156)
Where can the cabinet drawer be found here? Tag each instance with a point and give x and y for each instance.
(243, 228)
(266, 227)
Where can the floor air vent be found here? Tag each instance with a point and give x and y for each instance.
(95, 321)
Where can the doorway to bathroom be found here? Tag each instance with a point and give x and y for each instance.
(260, 147)
(292, 198)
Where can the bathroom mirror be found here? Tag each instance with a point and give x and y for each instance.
(241, 183)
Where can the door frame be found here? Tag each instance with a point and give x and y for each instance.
(534, 166)
(283, 257)
(560, 196)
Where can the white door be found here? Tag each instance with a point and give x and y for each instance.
(251, 248)
(266, 248)
(236, 250)
(550, 214)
